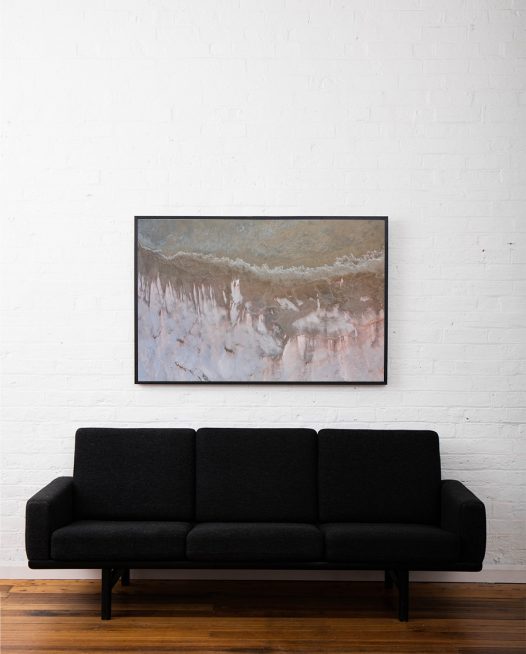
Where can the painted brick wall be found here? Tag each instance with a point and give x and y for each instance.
(413, 109)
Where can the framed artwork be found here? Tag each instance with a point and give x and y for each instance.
(257, 300)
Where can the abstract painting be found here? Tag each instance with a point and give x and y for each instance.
(260, 300)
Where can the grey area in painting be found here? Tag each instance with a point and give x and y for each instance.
(288, 300)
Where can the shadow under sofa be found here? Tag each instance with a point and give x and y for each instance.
(220, 498)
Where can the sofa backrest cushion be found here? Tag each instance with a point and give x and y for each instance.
(256, 475)
(379, 476)
(134, 474)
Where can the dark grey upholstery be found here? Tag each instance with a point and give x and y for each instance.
(251, 475)
(47, 510)
(389, 543)
(465, 515)
(254, 541)
(379, 476)
(102, 540)
(134, 474)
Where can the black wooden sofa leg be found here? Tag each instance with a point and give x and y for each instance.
(401, 579)
(403, 594)
(109, 577)
(105, 595)
(125, 577)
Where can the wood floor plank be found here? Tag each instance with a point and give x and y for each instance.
(57, 616)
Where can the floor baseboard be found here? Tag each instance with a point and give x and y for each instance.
(506, 575)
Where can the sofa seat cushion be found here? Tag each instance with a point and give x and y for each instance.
(110, 540)
(391, 543)
(254, 541)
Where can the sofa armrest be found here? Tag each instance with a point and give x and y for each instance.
(465, 515)
(47, 510)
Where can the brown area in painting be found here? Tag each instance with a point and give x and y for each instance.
(188, 276)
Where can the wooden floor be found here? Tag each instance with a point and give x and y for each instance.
(256, 617)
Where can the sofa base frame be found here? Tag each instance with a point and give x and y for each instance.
(110, 576)
(394, 575)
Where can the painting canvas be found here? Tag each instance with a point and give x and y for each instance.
(260, 300)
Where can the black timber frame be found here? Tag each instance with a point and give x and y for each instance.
(113, 571)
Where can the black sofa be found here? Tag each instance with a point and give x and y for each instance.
(256, 498)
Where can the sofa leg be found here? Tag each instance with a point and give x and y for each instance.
(110, 576)
(403, 594)
(388, 580)
(105, 594)
(125, 577)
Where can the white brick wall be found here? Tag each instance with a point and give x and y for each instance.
(409, 108)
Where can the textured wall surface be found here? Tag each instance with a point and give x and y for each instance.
(413, 109)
